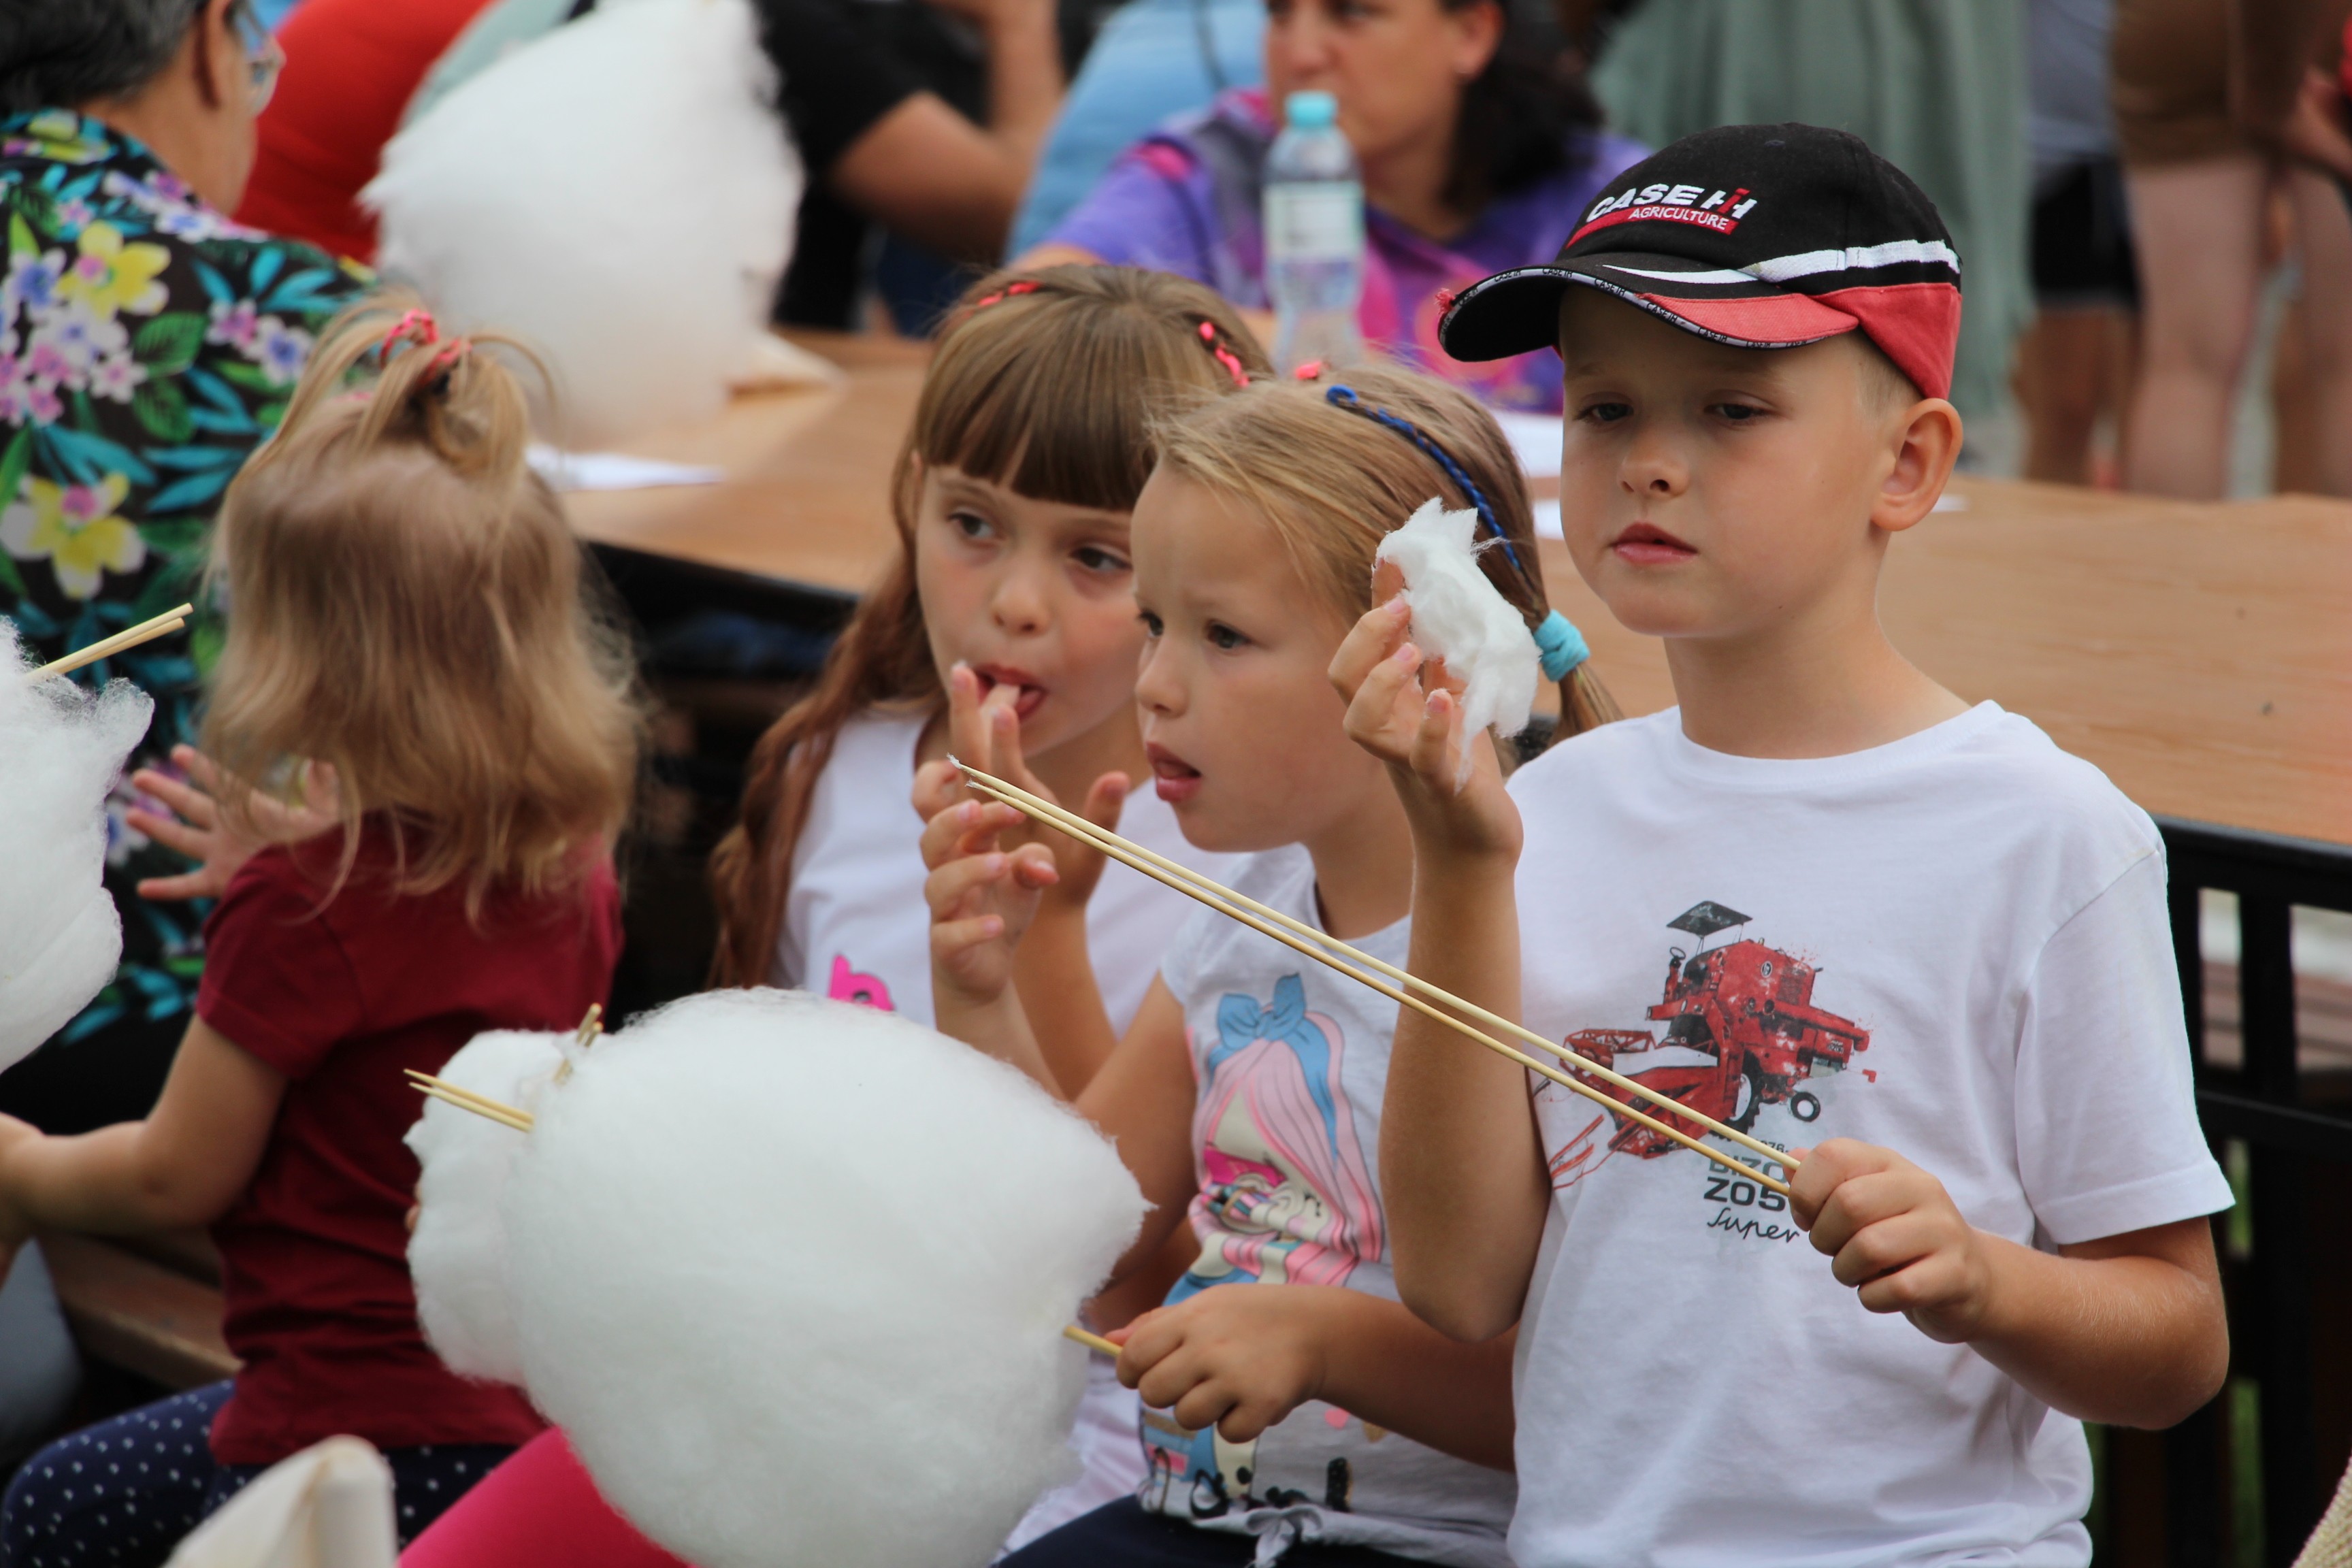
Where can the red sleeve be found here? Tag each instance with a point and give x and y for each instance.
(277, 983)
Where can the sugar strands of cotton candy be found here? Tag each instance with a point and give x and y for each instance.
(61, 749)
(620, 194)
(457, 1254)
(1458, 615)
(792, 1275)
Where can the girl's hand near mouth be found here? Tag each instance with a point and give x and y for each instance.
(984, 731)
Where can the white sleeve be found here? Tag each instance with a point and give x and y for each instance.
(2107, 1137)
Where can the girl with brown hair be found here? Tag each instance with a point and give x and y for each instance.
(1248, 1095)
(411, 661)
(1011, 605)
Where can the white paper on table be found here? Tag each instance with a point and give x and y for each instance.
(1535, 441)
(1948, 501)
(1548, 519)
(615, 470)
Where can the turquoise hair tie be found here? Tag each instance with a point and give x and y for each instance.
(1562, 646)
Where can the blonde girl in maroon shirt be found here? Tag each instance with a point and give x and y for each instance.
(409, 632)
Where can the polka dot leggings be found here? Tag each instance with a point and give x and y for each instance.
(122, 1494)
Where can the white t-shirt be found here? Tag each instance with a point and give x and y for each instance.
(1954, 946)
(1291, 1062)
(857, 928)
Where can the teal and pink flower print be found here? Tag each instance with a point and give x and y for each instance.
(148, 345)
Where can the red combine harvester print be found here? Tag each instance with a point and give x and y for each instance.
(1746, 1008)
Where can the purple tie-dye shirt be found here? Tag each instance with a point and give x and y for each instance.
(1185, 200)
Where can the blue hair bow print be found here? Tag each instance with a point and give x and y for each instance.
(1287, 1193)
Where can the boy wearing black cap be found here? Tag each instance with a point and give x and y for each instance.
(1886, 920)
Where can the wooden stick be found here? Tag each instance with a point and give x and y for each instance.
(1041, 809)
(107, 648)
(522, 1121)
(1118, 848)
(592, 1025)
(481, 1105)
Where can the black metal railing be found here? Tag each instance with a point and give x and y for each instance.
(2291, 1128)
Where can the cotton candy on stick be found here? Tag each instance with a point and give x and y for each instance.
(792, 1275)
(1459, 616)
(457, 1254)
(61, 749)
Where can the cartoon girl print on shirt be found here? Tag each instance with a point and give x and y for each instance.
(1287, 1194)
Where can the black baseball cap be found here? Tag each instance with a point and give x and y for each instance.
(1757, 236)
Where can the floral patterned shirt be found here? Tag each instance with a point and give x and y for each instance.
(147, 346)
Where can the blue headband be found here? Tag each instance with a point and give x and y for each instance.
(1561, 644)
(1340, 396)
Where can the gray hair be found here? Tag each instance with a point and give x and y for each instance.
(58, 53)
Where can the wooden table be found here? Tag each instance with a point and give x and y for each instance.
(2200, 654)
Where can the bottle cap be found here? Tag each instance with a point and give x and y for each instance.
(1310, 110)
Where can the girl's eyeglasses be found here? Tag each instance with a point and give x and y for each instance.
(264, 56)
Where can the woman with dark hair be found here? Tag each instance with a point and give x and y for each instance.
(1480, 152)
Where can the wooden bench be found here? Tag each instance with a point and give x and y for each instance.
(148, 1304)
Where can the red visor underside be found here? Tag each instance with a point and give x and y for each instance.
(1917, 325)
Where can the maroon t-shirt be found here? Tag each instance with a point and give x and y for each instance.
(341, 998)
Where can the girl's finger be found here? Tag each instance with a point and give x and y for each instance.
(967, 730)
(1381, 698)
(200, 768)
(195, 805)
(937, 787)
(1208, 1402)
(1436, 750)
(945, 888)
(1373, 637)
(950, 938)
(1032, 867)
(170, 832)
(1106, 800)
(172, 889)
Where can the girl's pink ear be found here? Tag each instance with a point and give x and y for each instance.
(1388, 581)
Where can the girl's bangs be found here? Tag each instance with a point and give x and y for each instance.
(1067, 427)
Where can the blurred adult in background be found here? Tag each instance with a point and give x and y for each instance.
(883, 148)
(1477, 154)
(1936, 85)
(2206, 97)
(350, 66)
(1152, 58)
(2075, 365)
(147, 345)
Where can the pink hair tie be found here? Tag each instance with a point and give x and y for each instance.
(1308, 371)
(415, 324)
(1027, 286)
(448, 357)
(1223, 355)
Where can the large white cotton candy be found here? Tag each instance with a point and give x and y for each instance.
(458, 1255)
(621, 195)
(61, 750)
(1458, 614)
(791, 1274)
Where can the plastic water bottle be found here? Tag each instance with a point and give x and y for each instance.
(1314, 237)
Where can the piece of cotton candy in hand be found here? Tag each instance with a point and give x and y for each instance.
(61, 749)
(1460, 616)
(458, 1255)
(792, 1274)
